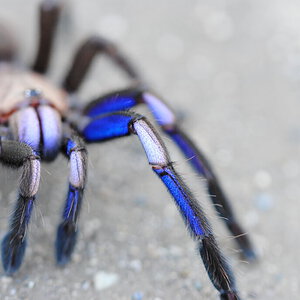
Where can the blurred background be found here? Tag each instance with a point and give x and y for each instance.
(231, 71)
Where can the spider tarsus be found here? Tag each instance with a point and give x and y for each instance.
(229, 296)
(65, 242)
(13, 250)
(217, 268)
(241, 238)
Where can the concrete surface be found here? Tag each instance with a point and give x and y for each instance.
(231, 69)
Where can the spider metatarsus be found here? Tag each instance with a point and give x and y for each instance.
(37, 124)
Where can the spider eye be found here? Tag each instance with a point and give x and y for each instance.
(32, 93)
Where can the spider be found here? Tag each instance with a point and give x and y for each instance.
(36, 124)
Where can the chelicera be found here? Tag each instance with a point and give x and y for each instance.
(36, 124)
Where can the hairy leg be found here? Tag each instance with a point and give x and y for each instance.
(15, 154)
(84, 57)
(49, 15)
(114, 125)
(74, 149)
(129, 98)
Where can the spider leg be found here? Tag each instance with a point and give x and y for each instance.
(7, 46)
(74, 149)
(126, 99)
(120, 124)
(84, 57)
(49, 15)
(16, 154)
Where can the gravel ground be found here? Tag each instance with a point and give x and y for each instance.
(231, 70)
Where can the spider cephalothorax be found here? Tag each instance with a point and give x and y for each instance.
(36, 124)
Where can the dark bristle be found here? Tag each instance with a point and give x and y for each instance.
(65, 243)
(13, 250)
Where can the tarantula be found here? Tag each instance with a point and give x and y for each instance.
(37, 124)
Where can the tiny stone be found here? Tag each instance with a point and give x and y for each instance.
(183, 274)
(12, 292)
(136, 265)
(85, 285)
(264, 202)
(198, 285)
(31, 284)
(103, 280)
(140, 200)
(137, 296)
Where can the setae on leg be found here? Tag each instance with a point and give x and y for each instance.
(120, 124)
(74, 149)
(16, 154)
(129, 98)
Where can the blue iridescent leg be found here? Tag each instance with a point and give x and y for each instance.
(15, 154)
(120, 124)
(126, 99)
(74, 149)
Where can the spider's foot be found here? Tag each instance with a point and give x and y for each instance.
(242, 239)
(13, 250)
(65, 242)
(249, 254)
(229, 296)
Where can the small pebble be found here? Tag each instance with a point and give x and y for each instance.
(140, 200)
(85, 285)
(198, 285)
(31, 284)
(137, 296)
(104, 280)
(136, 265)
(264, 202)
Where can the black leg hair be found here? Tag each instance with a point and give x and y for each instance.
(127, 99)
(15, 154)
(215, 191)
(119, 124)
(49, 15)
(84, 57)
(74, 149)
